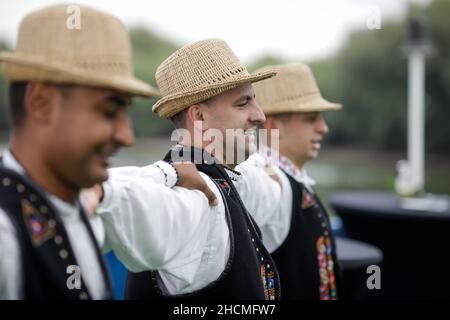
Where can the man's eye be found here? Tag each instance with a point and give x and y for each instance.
(243, 103)
(110, 114)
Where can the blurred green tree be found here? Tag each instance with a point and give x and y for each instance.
(4, 115)
(149, 50)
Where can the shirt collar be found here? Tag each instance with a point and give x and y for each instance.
(10, 162)
(273, 157)
(206, 157)
(63, 207)
(234, 175)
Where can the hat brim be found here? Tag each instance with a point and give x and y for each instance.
(318, 104)
(19, 67)
(170, 105)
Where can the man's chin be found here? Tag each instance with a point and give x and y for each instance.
(99, 176)
(313, 155)
(103, 176)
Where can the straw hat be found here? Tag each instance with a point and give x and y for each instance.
(98, 54)
(198, 72)
(294, 89)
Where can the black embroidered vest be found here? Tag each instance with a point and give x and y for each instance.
(45, 247)
(250, 272)
(307, 260)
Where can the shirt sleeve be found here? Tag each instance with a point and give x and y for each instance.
(160, 172)
(268, 201)
(153, 227)
(10, 261)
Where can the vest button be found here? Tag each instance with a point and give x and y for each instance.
(20, 188)
(83, 296)
(58, 240)
(51, 223)
(6, 182)
(63, 254)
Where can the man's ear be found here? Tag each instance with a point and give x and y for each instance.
(274, 123)
(196, 114)
(40, 100)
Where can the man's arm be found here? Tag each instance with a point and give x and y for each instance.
(150, 226)
(183, 175)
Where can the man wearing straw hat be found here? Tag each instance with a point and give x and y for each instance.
(304, 250)
(205, 90)
(69, 92)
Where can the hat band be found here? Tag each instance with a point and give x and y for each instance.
(305, 96)
(112, 67)
(200, 84)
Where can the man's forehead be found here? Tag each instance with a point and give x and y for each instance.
(83, 89)
(245, 89)
(114, 93)
(309, 113)
(107, 95)
(300, 115)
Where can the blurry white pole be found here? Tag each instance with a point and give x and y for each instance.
(416, 118)
(410, 179)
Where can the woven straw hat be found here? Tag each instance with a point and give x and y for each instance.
(198, 72)
(97, 54)
(294, 89)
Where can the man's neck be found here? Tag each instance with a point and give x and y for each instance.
(35, 167)
(218, 156)
(297, 163)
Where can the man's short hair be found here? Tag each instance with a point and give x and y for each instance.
(179, 120)
(17, 102)
(17, 91)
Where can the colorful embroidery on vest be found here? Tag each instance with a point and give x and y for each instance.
(268, 279)
(39, 228)
(327, 289)
(307, 200)
(224, 185)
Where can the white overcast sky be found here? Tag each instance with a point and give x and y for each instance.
(296, 29)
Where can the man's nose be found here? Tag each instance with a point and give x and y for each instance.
(123, 132)
(321, 125)
(257, 115)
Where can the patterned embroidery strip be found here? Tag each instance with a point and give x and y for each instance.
(268, 279)
(39, 228)
(327, 289)
(307, 200)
